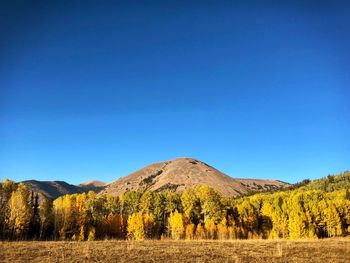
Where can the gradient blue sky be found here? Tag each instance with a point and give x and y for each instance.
(257, 89)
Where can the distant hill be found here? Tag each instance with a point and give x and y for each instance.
(92, 185)
(174, 175)
(53, 189)
(329, 183)
(182, 173)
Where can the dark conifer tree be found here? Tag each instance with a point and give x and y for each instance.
(34, 226)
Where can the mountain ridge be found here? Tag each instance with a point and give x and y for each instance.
(175, 175)
(53, 189)
(182, 173)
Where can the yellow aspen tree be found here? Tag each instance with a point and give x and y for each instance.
(20, 211)
(47, 218)
(118, 226)
(146, 202)
(222, 230)
(191, 205)
(136, 226)
(176, 225)
(200, 234)
(231, 233)
(248, 217)
(130, 202)
(92, 232)
(65, 209)
(210, 228)
(6, 189)
(112, 204)
(113, 225)
(80, 207)
(342, 205)
(274, 208)
(297, 219)
(211, 205)
(332, 221)
(123, 226)
(82, 233)
(58, 216)
(149, 225)
(189, 232)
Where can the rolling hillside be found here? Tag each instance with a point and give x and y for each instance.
(330, 183)
(92, 185)
(182, 173)
(53, 189)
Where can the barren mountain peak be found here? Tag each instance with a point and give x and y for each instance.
(181, 173)
(94, 183)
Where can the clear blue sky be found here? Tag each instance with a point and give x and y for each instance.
(257, 89)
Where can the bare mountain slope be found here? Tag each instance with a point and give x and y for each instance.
(182, 173)
(92, 185)
(53, 189)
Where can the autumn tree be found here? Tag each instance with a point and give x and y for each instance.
(114, 226)
(159, 213)
(136, 228)
(46, 219)
(111, 204)
(191, 205)
(92, 234)
(176, 225)
(275, 208)
(200, 233)
(332, 221)
(6, 189)
(222, 230)
(149, 223)
(249, 218)
(159, 206)
(95, 208)
(297, 224)
(20, 216)
(172, 202)
(305, 211)
(211, 205)
(130, 202)
(146, 202)
(190, 231)
(210, 228)
(66, 216)
(81, 216)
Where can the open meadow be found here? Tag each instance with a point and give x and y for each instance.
(325, 250)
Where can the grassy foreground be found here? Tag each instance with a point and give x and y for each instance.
(326, 250)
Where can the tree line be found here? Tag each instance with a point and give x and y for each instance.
(197, 213)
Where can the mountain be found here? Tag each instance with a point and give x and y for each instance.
(92, 185)
(53, 189)
(329, 183)
(182, 173)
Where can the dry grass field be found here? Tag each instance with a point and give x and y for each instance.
(326, 250)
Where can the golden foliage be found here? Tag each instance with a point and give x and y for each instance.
(19, 218)
(136, 228)
(190, 231)
(176, 225)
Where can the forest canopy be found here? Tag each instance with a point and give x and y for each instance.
(316, 209)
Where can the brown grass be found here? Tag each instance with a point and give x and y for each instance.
(327, 250)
